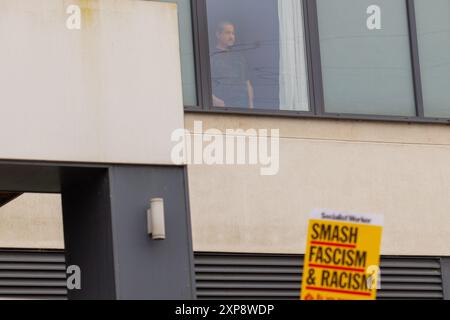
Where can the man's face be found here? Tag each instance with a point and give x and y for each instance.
(227, 37)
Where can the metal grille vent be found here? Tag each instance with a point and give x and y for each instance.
(235, 276)
(32, 275)
(41, 275)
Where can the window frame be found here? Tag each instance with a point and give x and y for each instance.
(314, 72)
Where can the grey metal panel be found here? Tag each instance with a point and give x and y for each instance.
(27, 297)
(145, 268)
(32, 282)
(32, 257)
(32, 275)
(237, 276)
(33, 291)
(445, 263)
(414, 263)
(30, 266)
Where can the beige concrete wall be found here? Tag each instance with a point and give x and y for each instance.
(32, 221)
(398, 170)
(401, 171)
(108, 92)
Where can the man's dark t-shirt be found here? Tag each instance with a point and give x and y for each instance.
(229, 76)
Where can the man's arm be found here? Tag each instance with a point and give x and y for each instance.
(251, 94)
(218, 102)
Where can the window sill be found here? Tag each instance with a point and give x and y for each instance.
(310, 115)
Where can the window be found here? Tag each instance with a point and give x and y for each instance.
(257, 54)
(365, 71)
(324, 58)
(433, 31)
(186, 51)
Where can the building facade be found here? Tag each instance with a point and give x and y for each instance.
(351, 96)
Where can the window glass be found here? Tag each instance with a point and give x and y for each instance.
(366, 70)
(257, 54)
(433, 30)
(186, 51)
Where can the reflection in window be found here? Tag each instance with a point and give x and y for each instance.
(257, 54)
(433, 29)
(186, 51)
(365, 71)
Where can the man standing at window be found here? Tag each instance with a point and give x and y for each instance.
(231, 86)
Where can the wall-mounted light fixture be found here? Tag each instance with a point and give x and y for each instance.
(155, 219)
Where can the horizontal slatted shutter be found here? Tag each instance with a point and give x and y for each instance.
(234, 276)
(32, 275)
(41, 275)
(247, 276)
(411, 278)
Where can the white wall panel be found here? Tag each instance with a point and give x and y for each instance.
(109, 92)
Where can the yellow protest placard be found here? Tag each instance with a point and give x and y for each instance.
(342, 256)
